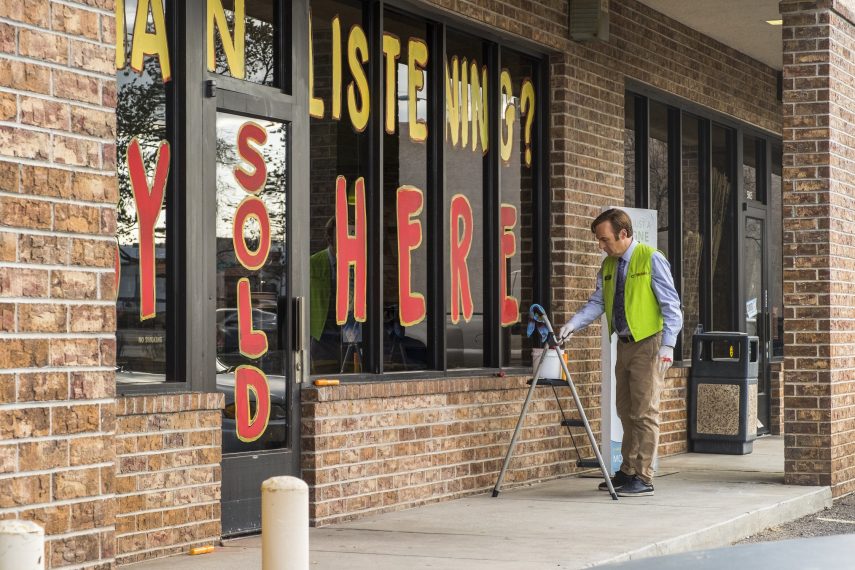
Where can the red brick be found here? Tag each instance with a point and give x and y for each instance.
(43, 46)
(76, 22)
(10, 177)
(72, 284)
(43, 386)
(21, 143)
(76, 152)
(76, 87)
(93, 57)
(15, 282)
(32, 12)
(25, 76)
(44, 113)
(76, 218)
(25, 213)
(8, 107)
(42, 318)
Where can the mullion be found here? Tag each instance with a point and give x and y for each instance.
(436, 202)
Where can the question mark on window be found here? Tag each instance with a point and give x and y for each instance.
(527, 109)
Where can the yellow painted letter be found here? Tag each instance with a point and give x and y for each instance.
(507, 89)
(452, 100)
(480, 110)
(357, 55)
(154, 43)
(233, 46)
(392, 51)
(418, 59)
(336, 68)
(316, 104)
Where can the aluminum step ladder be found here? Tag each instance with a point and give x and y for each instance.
(553, 344)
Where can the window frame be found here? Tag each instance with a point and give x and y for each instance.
(640, 95)
(437, 24)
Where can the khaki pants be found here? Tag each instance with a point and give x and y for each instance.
(639, 386)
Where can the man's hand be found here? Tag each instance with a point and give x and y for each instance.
(565, 333)
(666, 358)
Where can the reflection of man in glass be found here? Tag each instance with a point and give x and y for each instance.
(328, 337)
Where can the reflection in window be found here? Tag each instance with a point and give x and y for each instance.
(141, 116)
(266, 284)
(517, 192)
(776, 271)
(336, 150)
(404, 164)
(464, 164)
(260, 57)
(658, 169)
(629, 158)
(722, 260)
(693, 237)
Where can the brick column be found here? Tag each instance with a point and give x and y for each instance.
(819, 251)
(57, 287)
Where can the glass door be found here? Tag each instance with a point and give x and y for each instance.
(757, 305)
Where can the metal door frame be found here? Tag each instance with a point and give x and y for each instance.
(764, 412)
(208, 93)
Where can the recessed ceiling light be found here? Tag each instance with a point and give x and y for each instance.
(775, 22)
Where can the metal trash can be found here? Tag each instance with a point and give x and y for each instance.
(723, 393)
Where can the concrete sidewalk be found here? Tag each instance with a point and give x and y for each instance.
(701, 501)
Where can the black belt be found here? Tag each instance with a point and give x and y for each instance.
(626, 339)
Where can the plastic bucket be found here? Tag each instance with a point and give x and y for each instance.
(551, 367)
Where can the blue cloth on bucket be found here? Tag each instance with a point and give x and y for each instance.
(535, 322)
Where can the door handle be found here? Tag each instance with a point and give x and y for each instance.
(299, 322)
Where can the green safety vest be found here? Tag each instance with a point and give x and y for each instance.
(643, 314)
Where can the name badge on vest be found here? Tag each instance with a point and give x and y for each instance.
(607, 278)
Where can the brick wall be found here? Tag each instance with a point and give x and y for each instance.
(819, 253)
(369, 448)
(168, 451)
(57, 243)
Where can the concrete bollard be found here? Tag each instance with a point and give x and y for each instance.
(284, 524)
(22, 545)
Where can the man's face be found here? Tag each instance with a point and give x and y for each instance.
(611, 246)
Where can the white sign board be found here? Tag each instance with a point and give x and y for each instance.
(644, 229)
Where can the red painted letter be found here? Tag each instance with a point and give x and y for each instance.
(148, 202)
(253, 343)
(249, 427)
(461, 242)
(251, 207)
(510, 304)
(411, 305)
(350, 251)
(251, 181)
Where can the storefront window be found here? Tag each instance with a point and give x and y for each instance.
(339, 105)
(466, 144)
(251, 266)
(722, 259)
(657, 149)
(693, 237)
(405, 251)
(516, 214)
(629, 162)
(257, 61)
(144, 96)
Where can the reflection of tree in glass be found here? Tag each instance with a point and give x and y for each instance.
(659, 182)
(140, 113)
(229, 195)
(259, 61)
(720, 185)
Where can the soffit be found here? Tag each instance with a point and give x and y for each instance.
(740, 24)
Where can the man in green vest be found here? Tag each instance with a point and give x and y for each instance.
(636, 291)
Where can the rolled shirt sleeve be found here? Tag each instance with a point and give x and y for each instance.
(591, 310)
(669, 300)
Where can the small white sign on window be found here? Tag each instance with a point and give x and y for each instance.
(751, 308)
